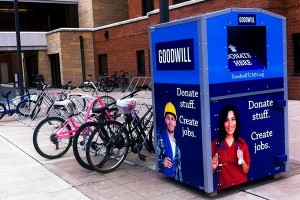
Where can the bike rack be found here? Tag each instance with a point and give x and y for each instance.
(48, 98)
(143, 101)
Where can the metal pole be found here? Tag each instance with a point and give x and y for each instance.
(18, 38)
(164, 10)
(82, 58)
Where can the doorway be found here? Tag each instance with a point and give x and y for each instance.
(55, 70)
(4, 73)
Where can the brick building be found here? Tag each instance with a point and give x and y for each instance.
(112, 36)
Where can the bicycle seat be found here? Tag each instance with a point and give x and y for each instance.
(5, 94)
(63, 103)
(90, 75)
(99, 110)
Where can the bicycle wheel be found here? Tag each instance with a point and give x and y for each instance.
(37, 108)
(107, 147)
(108, 100)
(80, 140)
(48, 139)
(86, 87)
(151, 140)
(125, 84)
(2, 110)
(79, 102)
(26, 108)
(60, 111)
(109, 86)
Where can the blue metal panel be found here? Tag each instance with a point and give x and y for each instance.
(168, 38)
(218, 48)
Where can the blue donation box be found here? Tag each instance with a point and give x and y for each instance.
(220, 97)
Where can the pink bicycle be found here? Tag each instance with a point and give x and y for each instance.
(52, 137)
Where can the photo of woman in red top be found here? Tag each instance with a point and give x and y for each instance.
(230, 154)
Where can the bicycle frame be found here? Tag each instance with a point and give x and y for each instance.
(91, 84)
(60, 133)
(13, 101)
(130, 120)
(70, 120)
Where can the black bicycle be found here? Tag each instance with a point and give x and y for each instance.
(109, 144)
(103, 84)
(85, 130)
(121, 81)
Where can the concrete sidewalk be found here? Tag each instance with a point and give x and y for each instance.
(24, 174)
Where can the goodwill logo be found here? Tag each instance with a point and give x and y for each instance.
(175, 55)
(244, 19)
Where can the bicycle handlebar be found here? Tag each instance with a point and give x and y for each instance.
(132, 94)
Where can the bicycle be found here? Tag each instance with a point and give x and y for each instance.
(39, 99)
(60, 131)
(78, 100)
(122, 81)
(103, 83)
(108, 144)
(22, 105)
(88, 85)
(83, 132)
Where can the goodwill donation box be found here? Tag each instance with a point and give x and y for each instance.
(220, 97)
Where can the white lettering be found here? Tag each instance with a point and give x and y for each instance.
(175, 55)
(262, 104)
(187, 93)
(246, 19)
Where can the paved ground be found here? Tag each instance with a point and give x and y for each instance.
(24, 174)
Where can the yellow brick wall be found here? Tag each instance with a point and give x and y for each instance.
(44, 65)
(107, 12)
(85, 13)
(95, 13)
(70, 54)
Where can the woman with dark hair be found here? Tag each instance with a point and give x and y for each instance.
(231, 158)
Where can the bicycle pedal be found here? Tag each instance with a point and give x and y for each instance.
(142, 157)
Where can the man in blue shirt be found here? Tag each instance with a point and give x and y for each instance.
(169, 156)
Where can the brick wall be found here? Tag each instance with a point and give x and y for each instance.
(94, 13)
(292, 11)
(70, 54)
(125, 40)
(122, 45)
(85, 13)
(136, 8)
(44, 65)
(108, 12)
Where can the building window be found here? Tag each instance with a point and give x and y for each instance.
(140, 55)
(148, 6)
(179, 1)
(103, 68)
(296, 38)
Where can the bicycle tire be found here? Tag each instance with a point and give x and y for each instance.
(85, 87)
(79, 143)
(63, 112)
(109, 86)
(79, 102)
(25, 108)
(108, 100)
(37, 108)
(107, 147)
(45, 132)
(151, 140)
(2, 110)
(125, 84)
